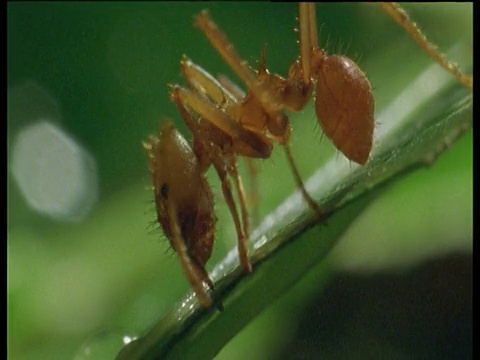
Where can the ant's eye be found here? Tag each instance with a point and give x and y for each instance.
(164, 191)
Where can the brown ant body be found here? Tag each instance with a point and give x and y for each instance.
(227, 123)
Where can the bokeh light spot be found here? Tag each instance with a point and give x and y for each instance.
(55, 174)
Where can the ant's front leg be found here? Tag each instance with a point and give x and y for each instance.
(204, 83)
(242, 141)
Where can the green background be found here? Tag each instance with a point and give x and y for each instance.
(105, 67)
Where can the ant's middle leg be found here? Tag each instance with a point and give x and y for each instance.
(224, 164)
(242, 235)
(233, 171)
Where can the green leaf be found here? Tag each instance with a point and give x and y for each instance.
(416, 127)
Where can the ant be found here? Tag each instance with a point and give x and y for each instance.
(226, 123)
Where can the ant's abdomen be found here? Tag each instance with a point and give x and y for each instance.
(345, 107)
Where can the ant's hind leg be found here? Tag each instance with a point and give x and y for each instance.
(398, 14)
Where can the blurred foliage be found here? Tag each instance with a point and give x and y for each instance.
(102, 69)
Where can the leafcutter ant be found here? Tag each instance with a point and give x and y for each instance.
(226, 123)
